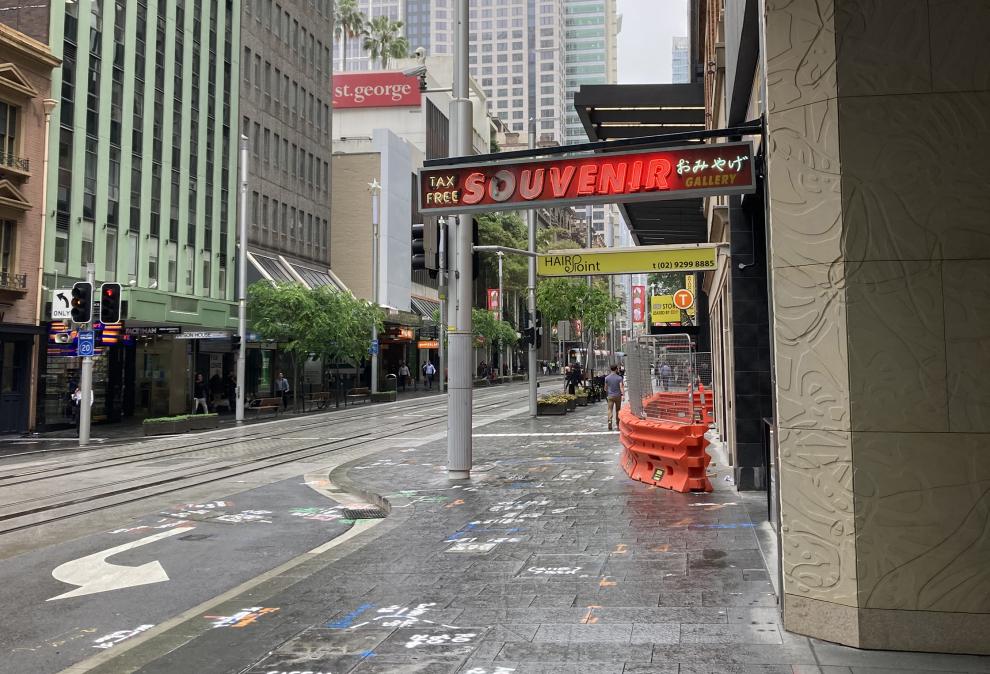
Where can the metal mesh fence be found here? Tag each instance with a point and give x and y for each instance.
(667, 380)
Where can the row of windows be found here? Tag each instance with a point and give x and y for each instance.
(283, 227)
(294, 36)
(292, 160)
(279, 95)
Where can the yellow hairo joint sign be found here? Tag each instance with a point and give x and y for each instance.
(639, 260)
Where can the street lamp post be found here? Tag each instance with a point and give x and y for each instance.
(242, 284)
(375, 188)
(531, 288)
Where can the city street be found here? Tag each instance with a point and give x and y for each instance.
(548, 560)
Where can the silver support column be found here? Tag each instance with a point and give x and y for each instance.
(459, 401)
(531, 287)
(375, 190)
(86, 376)
(442, 327)
(242, 284)
(504, 356)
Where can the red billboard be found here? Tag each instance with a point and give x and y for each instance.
(639, 304)
(375, 90)
(613, 177)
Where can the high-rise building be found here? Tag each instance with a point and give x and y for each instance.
(142, 184)
(591, 32)
(285, 113)
(680, 71)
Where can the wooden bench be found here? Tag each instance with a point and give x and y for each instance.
(362, 393)
(320, 399)
(266, 404)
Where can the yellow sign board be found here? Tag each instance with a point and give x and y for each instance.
(662, 310)
(690, 284)
(637, 260)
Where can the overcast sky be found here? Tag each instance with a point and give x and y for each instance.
(644, 42)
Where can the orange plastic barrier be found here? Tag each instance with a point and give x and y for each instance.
(667, 454)
(675, 405)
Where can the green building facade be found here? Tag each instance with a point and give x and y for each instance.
(142, 182)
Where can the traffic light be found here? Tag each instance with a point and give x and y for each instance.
(418, 257)
(82, 302)
(426, 247)
(110, 303)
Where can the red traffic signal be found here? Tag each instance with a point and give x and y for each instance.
(110, 303)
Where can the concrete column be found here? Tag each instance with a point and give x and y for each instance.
(880, 263)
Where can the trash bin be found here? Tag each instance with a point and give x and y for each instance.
(391, 382)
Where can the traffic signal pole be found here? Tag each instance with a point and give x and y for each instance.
(242, 284)
(459, 400)
(86, 375)
(531, 289)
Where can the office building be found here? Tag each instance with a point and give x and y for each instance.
(680, 62)
(142, 185)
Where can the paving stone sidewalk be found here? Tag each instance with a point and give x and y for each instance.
(548, 561)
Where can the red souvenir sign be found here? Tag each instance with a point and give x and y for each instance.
(639, 304)
(375, 90)
(613, 177)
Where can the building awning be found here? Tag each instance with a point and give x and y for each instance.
(314, 278)
(425, 308)
(620, 111)
(271, 268)
(277, 269)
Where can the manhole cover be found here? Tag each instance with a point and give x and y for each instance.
(363, 513)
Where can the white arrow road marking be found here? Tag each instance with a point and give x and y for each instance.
(93, 573)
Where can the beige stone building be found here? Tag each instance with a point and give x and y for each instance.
(25, 105)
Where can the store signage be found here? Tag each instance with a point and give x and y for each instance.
(639, 304)
(636, 260)
(407, 334)
(614, 177)
(204, 334)
(494, 300)
(154, 330)
(375, 90)
(684, 299)
(428, 344)
(662, 310)
(690, 284)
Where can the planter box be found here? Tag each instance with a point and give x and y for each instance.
(550, 410)
(383, 397)
(582, 401)
(165, 427)
(571, 405)
(203, 422)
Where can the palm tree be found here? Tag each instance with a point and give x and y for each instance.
(384, 40)
(348, 21)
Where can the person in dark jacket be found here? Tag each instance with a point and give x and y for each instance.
(200, 394)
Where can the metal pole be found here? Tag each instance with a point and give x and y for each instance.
(242, 285)
(459, 401)
(442, 328)
(531, 288)
(375, 191)
(86, 378)
(501, 256)
(610, 235)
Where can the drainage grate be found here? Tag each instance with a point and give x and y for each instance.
(363, 513)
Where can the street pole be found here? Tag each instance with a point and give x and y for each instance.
(459, 401)
(242, 285)
(610, 243)
(375, 189)
(502, 361)
(442, 328)
(531, 288)
(86, 378)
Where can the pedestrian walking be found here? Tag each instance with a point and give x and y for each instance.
(282, 389)
(231, 392)
(665, 374)
(574, 376)
(429, 371)
(200, 392)
(403, 375)
(615, 389)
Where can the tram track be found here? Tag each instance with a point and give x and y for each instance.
(187, 480)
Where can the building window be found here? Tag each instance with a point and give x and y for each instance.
(8, 134)
(7, 233)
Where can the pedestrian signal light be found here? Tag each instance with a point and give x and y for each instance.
(81, 303)
(110, 303)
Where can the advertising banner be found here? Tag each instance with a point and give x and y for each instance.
(494, 301)
(639, 304)
(375, 90)
(614, 177)
(637, 260)
(662, 310)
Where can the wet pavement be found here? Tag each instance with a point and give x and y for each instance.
(548, 560)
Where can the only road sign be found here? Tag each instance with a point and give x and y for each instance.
(86, 344)
(61, 309)
(684, 299)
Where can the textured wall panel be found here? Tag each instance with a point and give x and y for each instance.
(818, 536)
(812, 377)
(800, 53)
(957, 26)
(923, 521)
(967, 348)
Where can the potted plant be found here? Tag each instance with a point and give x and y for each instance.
(582, 397)
(166, 425)
(551, 405)
(571, 402)
(383, 397)
(203, 422)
